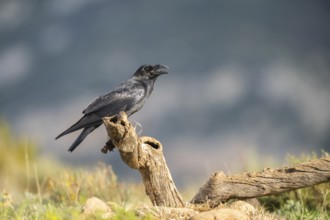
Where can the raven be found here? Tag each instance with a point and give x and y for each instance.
(129, 97)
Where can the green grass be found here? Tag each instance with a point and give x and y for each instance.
(33, 187)
(307, 203)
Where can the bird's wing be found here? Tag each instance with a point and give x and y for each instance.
(120, 99)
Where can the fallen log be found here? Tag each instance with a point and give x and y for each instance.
(221, 187)
(144, 154)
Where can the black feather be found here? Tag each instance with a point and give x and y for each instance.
(82, 136)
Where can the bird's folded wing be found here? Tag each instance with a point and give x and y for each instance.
(118, 100)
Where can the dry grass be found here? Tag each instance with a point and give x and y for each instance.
(32, 187)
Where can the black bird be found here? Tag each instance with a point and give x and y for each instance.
(129, 97)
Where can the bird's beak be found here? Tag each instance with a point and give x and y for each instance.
(160, 69)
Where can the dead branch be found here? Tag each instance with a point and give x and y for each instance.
(221, 187)
(144, 154)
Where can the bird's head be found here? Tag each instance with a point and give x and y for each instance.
(150, 71)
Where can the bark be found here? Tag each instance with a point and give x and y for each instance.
(144, 154)
(221, 187)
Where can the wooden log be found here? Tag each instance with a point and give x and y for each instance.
(144, 154)
(221, 187)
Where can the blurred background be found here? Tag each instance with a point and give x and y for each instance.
(248, 83)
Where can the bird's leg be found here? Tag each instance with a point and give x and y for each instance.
(109, 146)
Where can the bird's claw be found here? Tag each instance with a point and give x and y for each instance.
(109, 146)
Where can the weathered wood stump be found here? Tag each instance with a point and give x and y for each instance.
(221, 187)
(144, 154)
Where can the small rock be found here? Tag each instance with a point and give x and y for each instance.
(221, 214)
(243, 207)
(167, 212)
(94, 205)
(254, 202)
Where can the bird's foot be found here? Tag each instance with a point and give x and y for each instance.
(109, 146)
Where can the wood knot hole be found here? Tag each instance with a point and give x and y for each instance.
(290, 170)
(152, 144)
(114, 119)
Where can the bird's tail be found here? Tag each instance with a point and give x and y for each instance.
(90, 121)
(82, 136)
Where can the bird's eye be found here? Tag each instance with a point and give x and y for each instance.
(148, 68)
